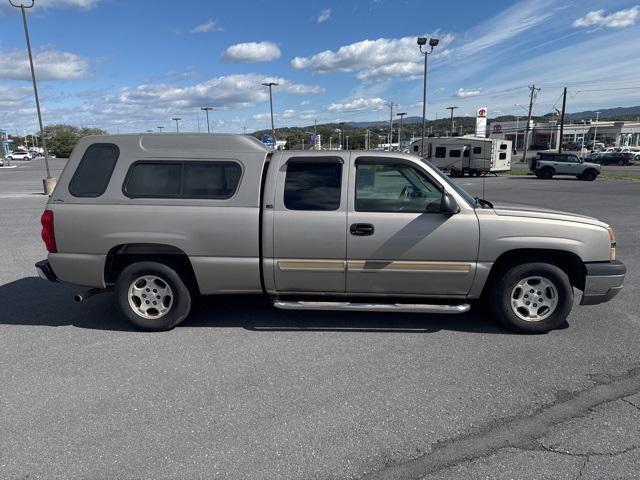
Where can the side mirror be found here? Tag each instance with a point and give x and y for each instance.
(448, 205)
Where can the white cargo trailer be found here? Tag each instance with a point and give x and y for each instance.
(466, 155)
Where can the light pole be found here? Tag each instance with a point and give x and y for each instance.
(206, 110)
(48, 183)
(270, 85)
(401, 115)
(433, 42)
(595, 131)
(160, 128)
(177, 120)
(452, 109)
(391, 105)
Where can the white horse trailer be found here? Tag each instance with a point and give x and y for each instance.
(470, 155)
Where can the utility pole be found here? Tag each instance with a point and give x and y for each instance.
(177, 120)
(452, 126)
(48, 183)
(206, 110)
(347, 141)
(367, 140)
(595, 132)
(391, 105)
(271, 84)
(564, 106)
(401, 115)
(532, 96)
(244, 129)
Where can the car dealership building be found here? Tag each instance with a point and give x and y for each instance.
(611, 133)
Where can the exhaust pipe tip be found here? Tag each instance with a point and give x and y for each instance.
(78, 298)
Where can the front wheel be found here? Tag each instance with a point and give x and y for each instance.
(532, 298)
(152, 296)
(590, 175)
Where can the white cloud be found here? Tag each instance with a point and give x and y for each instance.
(251, 52)
(383, 57)
(49, 65)
(13, 97)
(467, 92)
(58, 4)
(358, 104)
(325, 14)
(225, 92)
(619, 19)
(208, 26)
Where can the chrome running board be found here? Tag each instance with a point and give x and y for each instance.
(372, 307)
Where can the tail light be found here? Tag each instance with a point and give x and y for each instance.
(48, 235)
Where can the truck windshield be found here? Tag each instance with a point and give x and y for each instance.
(461, 191)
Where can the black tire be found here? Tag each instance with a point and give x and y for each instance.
(178, 307)
(505, 285)
(547, 173)
(589, 175)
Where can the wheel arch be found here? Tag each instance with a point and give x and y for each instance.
(568, 261)
(123, 255)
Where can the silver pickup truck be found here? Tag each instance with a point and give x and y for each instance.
(162, 218)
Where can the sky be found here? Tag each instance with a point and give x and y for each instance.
(133, 65)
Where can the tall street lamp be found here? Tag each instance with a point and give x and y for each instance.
(206, 110)
(433, 42)
(48, 183)
(271, 84)
(452, 109)
(401, 115)
(177, 120)
(160, 128)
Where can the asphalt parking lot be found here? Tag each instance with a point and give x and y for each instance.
(245, 391)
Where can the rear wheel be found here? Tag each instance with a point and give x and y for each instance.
(152, 296)
(589, 175)
(532, 298)
(546, 173)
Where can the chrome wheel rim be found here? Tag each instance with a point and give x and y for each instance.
(150, 297)
(534, 299)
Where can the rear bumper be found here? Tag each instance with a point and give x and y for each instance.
(45, 272)
(603, 281)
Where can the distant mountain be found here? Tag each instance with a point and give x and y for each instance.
(617, 113)
(406, 120)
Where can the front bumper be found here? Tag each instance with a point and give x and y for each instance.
(603, 281)
(45, 272)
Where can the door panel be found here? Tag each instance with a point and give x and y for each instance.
(309, 242)
(412, 252)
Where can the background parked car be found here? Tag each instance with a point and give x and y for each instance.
(19, 155)
(613, 158)
(572, 146)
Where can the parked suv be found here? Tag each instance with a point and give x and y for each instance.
(546, 165)
(19, 155)
(159, 219)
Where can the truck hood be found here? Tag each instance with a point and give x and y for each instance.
(530, 211)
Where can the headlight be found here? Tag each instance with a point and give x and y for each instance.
(612, 249)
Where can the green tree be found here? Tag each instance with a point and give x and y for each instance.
(62, 138)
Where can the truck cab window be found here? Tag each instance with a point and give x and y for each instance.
(313, 185)
(394, 187)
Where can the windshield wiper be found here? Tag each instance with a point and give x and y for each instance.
(483, 202)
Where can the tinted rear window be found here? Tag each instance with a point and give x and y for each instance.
(210, 180)
(94, 170)
(214, 180)
(154, 180)
(313, 185)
